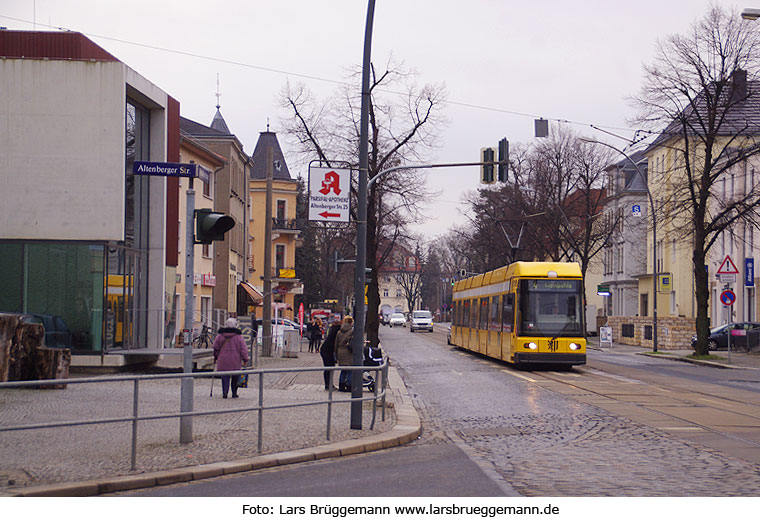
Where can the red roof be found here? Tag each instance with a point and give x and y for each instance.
(51, 45)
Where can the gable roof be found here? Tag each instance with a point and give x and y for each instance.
(259, 171)
(738, 103)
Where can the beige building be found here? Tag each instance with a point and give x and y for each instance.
(205, 280)
(285, 229)
(230, 196)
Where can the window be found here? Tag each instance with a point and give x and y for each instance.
(385, 293)
(483, 324)
(508, 313)
(207, 250)
(398, 293)
(473, 314)
(281, 209)
(279, 256)
(673, 251)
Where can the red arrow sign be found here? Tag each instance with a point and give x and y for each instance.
(326, 214)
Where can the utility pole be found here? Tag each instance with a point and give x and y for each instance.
(361, 227)
(186, 387)
(266, 319)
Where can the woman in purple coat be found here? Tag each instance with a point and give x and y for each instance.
(230, 350)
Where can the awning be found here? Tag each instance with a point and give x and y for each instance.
(254, 293)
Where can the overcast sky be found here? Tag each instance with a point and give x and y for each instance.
(517, 60)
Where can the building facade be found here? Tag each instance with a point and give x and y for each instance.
(230, 198)
(285, 229)
(82, 236)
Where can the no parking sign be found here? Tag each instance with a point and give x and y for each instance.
(727, 297)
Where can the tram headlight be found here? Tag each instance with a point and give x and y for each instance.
(574, 346)
(532, 345)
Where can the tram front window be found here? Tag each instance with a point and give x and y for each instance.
(550, 308)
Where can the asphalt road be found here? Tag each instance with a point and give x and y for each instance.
(623, 425)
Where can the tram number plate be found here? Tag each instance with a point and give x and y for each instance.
(553, 345)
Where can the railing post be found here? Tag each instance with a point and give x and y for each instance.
(329, 404)
(261, 409)
(135, 402)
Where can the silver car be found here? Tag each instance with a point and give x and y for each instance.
(421, 321)
(397, 320)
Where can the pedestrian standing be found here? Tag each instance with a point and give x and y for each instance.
(327, 351)
(230, 353)
(343, 354)
(315, 335)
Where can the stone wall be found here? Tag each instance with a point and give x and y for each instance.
(672, 332)
(23, 355)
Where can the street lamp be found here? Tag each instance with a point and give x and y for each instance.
(654, 232)
(751, 13)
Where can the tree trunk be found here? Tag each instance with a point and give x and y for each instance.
(702, 294)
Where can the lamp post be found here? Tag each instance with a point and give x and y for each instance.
(654, 236)
(751, 13)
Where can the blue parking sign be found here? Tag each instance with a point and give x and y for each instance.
(636, 210)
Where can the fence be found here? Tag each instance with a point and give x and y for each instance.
(378, 395)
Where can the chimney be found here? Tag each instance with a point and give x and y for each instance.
(739, 85)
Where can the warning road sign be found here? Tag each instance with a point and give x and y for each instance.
(728, 266)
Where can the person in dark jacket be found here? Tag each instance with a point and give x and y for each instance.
(229, 351)
(315, 335)
(327, 351)
(343, 353)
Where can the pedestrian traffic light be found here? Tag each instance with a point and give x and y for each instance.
(210, 226)
(486, 170)
(503, 159)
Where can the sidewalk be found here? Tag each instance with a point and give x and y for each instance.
(749, 360)
(95, 459)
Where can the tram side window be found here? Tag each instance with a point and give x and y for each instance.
(473, 314)
(508, 313)
(495, 320)
(465, 313)
(483, 313)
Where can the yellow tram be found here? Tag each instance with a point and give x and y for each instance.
(527, 312)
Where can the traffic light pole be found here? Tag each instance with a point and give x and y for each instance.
(186, 391)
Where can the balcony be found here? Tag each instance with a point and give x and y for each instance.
(283, 226)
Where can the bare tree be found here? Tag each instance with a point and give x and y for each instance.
(403, 123)
(703, 90)
(409, 275)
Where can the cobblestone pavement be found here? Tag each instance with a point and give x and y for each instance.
(545, 443)
(49, 456)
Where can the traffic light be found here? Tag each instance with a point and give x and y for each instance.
(503, 159)
(367, 278)
(486, 171)
(210, 226)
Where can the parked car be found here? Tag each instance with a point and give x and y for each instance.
(421, 320)
(397, 320)
(448, 336)
(56, 331)
(718, 338)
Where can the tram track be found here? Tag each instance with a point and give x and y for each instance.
(653, 403)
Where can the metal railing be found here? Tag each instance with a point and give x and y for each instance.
(381, 382)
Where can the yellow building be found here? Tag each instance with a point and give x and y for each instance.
(285, 230)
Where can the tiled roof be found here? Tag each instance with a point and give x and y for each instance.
(280, 172)
(199, 130)
(742, 117)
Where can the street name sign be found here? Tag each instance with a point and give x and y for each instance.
(329, 194)
(183, 170)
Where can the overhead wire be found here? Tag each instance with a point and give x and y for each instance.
(332, 81)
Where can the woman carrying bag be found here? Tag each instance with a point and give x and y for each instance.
(230, 350)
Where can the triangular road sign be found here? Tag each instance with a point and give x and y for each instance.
(727, 267)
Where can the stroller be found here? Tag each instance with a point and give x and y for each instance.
(373, 357)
